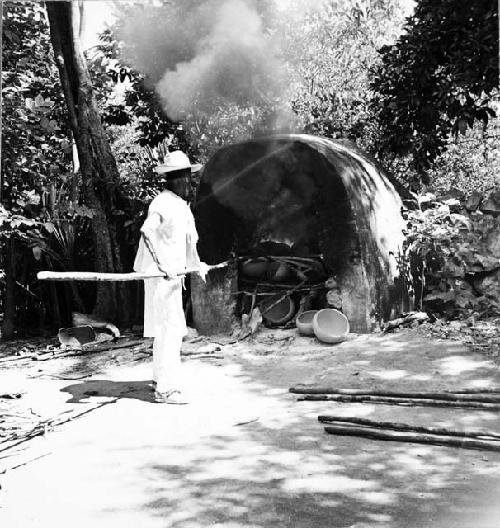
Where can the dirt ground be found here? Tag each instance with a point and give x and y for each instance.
(245, 452)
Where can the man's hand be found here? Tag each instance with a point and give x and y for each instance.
(167, 271)
(203, 271)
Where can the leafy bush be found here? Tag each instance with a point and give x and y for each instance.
(447, 255)
(469, 163)
(35, 147)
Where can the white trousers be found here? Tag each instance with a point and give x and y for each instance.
(164, 320)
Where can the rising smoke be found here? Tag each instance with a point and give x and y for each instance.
(201, 55)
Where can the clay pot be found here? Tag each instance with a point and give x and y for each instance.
(256, 268)
(279, 272)
(76, 336)
(304, 322)
(279, 314)
(330, 326)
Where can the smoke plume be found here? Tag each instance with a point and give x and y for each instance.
(201, 55)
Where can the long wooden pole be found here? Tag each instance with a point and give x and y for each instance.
(447, 396)
(319, 389)
(95, 276)
(408, 402)
(374, 434)
(406, 427)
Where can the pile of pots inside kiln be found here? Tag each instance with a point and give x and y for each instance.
(282, 286)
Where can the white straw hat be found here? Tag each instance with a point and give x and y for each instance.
(175, 161)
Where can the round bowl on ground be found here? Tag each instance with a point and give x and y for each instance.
(304, 322)
(330, 325)
(281, 312)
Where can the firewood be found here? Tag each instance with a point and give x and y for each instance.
(44, 426)
(304, 389)
(81, 319)
(440, 440)
(286, 294)
(86, 350)
(475, 390)
(407, 402)
(446, 396)
(412, 317)
(406, 427)
(204, 356)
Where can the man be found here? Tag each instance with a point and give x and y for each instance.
(168, 246)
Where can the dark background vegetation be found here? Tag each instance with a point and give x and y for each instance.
(80, 138)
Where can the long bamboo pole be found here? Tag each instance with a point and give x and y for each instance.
(374, 434)
(447, 396)
(408, 402)
(318, 389)
(406, 427)
(95, 276)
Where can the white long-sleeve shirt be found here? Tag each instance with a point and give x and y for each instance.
(174, 239)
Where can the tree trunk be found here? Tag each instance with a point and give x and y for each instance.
(98, 167)
(9, 301)
(1, 101)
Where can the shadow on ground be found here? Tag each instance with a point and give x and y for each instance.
(136, 390)
(247, 454)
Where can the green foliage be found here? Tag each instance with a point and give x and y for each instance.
(201, 131)
(230, 124)
(124, 95)
(35, 147)
(328, 51)
(40, 213)
(445, 250)
(15, 224)
(470, 162)
(438, 79)
(331, 50)
(63, 243)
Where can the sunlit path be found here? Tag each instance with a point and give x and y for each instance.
(244, 453)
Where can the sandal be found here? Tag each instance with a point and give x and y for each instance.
(173, 397)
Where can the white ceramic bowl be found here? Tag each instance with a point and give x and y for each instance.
(330, 326)
(304, 322)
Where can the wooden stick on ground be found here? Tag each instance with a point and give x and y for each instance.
(43, 427)
(406, 427)
(408, 402)
(448, 396)
(85, 350)
(374, 434)
(475, 390)
(318, 389)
